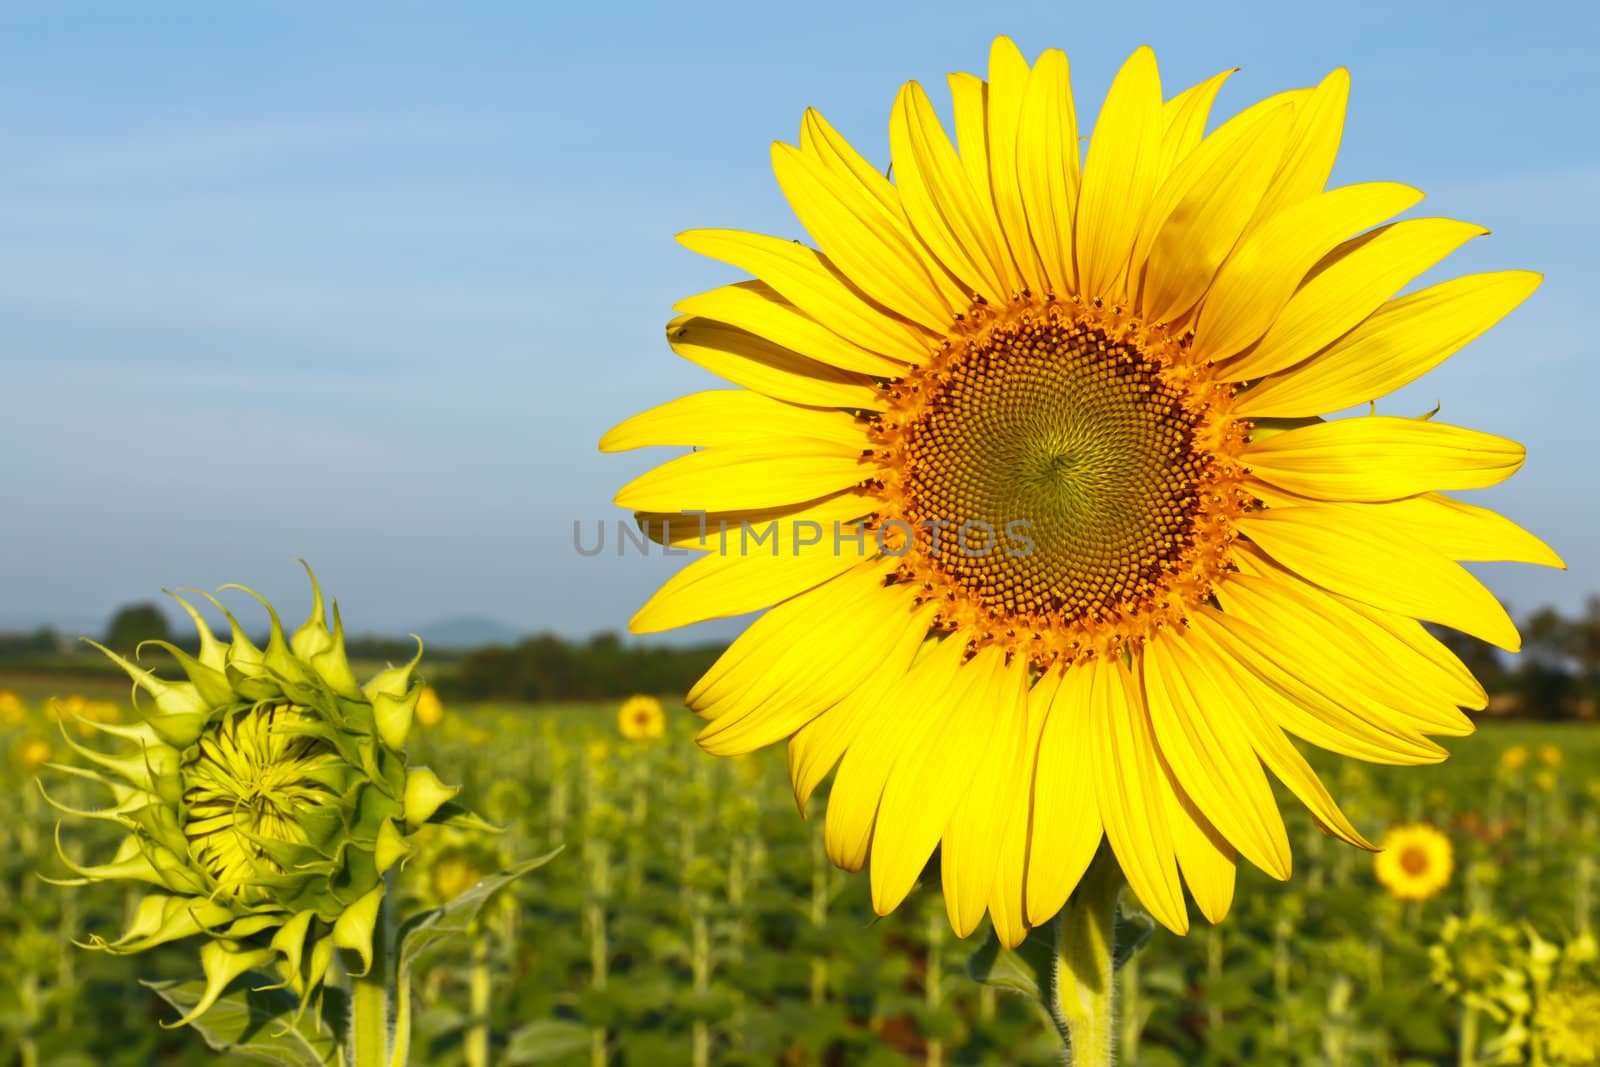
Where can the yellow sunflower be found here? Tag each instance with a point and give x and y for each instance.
(1026, 463)
(430, 709)
(640, 718)
(1416, 861)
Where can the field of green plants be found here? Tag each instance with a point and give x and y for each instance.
(692, 918)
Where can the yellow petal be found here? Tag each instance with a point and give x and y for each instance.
(1119, 178)
(1047, 167)
(738, 477)
(1264, 735)
(938, 198)
(1008, 900)
(1404, 642)
(1380, 457)
(818, 745)
(1216, 766)
(759, 703)
(1399, 343)
(861, 238)
(1467, 532)
(1008, 83)
(938, 755)
(1066, 816)
(1184, 120)
(1353, 282)
(1313, 144)
(723, 584)
(757, 308)
(1335, 719)
(1265, 268)
(1349, 549)
(1353, 657)
(732, 416)
(970, 106)
(970, 848)
(746, 531)
(1128, 787)
(745, 359)
(872, 194)
(1202, 208)
(748, 667)
(809, 281)
(1208, 862)
(906, 712)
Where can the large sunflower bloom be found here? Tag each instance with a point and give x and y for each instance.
(1062, 550)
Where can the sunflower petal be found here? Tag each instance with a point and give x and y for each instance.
(1216, 767)
(745, 359)
(938, 198)
(932, 774)
(1313, 145)
(970, 849)
(1119, 178)
(1349, 549)
(1009, 76)
(1266, 267)
(739, 477)
(731, 416)
(1467, 532)
(1355, 280)
(1066, 816)
(1208, 862)
(809, 281)
(1128, 786)
(1202, 208)
(817, 747)
(865, 241)
(1397, 344)
(1334, 719)
(1184, 120)
(1380, 457)
(720, 585)
(1047, 167)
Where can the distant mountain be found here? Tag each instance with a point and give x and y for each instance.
(467, 631)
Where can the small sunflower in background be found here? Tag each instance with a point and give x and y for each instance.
(430, 709)
(641, 718)
(34, 753)
(1551, 756)
(1416, 861)
(12, 709)
(1514, 758)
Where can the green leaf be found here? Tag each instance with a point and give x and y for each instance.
(422, 931)
(252, 1023)
(1026, 969)
(545, 1039)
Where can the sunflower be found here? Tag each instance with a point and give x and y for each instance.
(641, 718)
(1416, 861)
(1026, 463)
(430, 709)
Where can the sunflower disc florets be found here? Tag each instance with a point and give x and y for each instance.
(264, 798)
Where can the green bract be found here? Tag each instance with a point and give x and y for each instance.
(264, 798)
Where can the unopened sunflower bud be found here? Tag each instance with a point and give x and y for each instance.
(264, 796)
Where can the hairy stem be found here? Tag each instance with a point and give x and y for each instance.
(1082, 1000)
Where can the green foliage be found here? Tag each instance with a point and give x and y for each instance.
(796, 970)
(135, 624)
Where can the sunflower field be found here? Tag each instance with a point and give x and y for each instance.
(692, 918)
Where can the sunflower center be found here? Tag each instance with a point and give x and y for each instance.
(1057, 471)
(1414, 860)
(251, 784)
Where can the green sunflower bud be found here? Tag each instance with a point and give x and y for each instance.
(264, 796)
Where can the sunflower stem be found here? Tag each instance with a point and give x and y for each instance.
(370, 998)
(1084, 986)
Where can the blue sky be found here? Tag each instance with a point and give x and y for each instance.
(365, 283)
